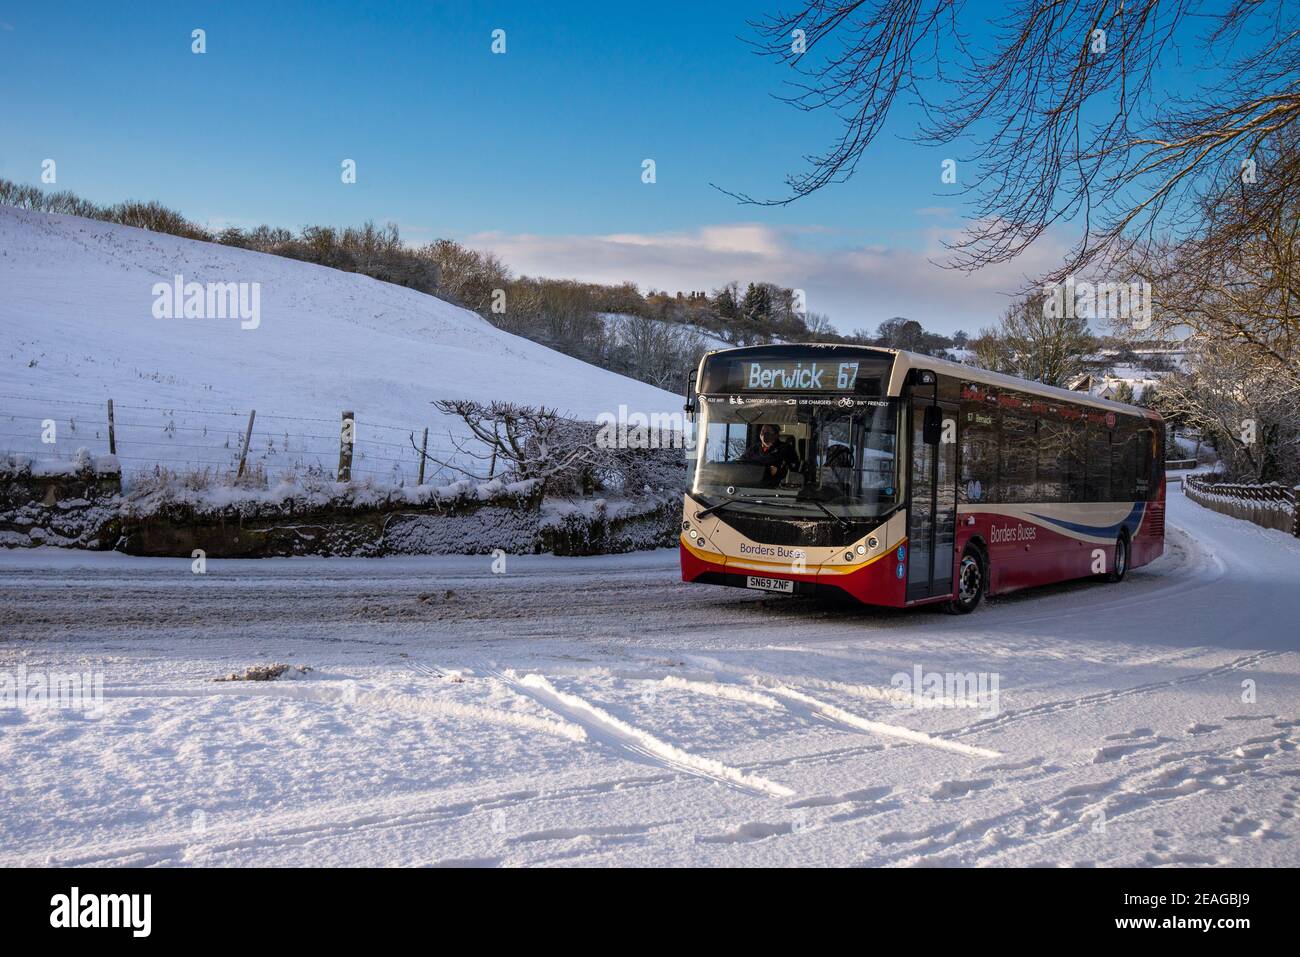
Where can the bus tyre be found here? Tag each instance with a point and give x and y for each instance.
(1120, 566)
(970, 582)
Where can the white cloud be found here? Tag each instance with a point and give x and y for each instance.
(858, 286)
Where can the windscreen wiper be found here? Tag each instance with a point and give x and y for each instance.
(818, 503)
(704, 513)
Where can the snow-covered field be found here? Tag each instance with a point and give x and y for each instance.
(608, 714)
(77, 316)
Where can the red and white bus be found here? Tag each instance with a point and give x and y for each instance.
(901, 480)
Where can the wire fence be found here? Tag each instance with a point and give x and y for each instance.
(189, 438)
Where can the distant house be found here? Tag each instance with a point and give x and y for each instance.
(1107, 386)
(1141, 369)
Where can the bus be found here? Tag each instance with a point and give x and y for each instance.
(900, 479)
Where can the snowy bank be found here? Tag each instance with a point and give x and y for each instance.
(82, 505)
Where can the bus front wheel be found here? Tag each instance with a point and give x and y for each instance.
(970, 582)
(1120, 568)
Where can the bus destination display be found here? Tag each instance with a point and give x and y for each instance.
(799, 376)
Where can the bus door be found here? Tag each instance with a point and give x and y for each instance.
(932, 498)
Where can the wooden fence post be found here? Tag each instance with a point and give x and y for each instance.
(1295, 511)
(347, 435)
(248, 434)
(112, 430)
(424, 449)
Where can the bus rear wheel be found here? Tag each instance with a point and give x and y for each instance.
(970, 583)
(1120, 565)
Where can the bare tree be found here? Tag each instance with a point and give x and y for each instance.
(657, 352)
(562, 456)
(1236, 284)
(819, 324)
(1252, 424)
(1033, 343)
(1068, 109)
(466, 276)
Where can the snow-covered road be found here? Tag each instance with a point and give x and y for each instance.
(609, 714)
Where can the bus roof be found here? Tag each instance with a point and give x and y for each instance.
(906, 361)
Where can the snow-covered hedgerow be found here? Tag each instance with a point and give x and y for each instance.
(172, 514)
(200, 495)
(17, 467)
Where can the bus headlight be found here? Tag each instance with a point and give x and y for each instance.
(693, 533)
(862, 549)
(873, 542)
(848, 556)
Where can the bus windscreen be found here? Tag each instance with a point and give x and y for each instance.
(815, 458)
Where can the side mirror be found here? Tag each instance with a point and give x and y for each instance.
(932, 428)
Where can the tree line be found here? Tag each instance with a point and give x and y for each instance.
(656, 337)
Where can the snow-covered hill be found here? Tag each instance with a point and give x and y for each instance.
(77, 314)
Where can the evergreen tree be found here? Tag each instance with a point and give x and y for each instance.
(724, 301)
(757, 306)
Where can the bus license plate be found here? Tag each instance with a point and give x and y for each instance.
(769, 584)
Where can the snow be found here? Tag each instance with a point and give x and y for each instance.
(305, 491)
(78, 324)
(82, 462)
(598, 711)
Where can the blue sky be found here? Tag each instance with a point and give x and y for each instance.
(536, 153)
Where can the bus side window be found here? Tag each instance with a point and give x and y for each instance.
(1051, 461)
(1124, 459)
(1099, 462)
(979, 456)
(1151, 462)
(1018, 461)
(1075, 461)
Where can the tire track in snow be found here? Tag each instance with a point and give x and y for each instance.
(840, 716)
(266, 832)
(767, 679)
(1170, 778)
(373, 701)
(777, 686)
(716, 689)
(604, 727)
(1105, 697)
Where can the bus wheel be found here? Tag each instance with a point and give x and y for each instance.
(1117, 573)
(970, 583)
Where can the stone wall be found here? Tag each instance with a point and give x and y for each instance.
(73, 505)
(85, 508)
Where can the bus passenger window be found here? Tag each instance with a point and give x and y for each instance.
(1018, 460)
(1099, 462)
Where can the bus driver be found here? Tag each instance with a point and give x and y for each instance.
(776, 456)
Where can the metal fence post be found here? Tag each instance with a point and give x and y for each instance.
(243, 452)
(347, 435)
(112, 430)
(424, 451)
